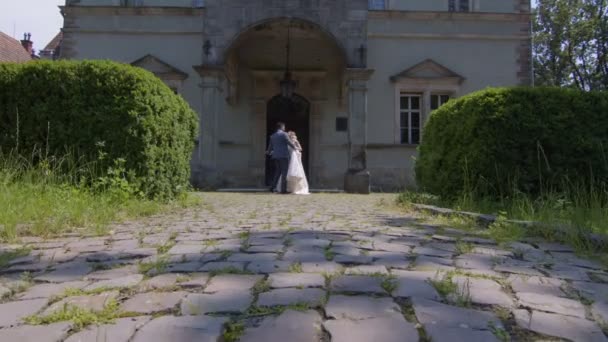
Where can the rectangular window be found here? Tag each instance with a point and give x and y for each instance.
(460, 5)
(409, 118)
(341, 124)
(377, 5)
(438, 100)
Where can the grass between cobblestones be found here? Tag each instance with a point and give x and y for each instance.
(54, 196)
(78, 316)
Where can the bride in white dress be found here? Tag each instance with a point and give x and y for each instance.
(296, 177)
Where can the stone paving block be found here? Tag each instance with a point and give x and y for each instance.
(153, 302)
(237, 282)
(568, 272)
(222, 265)
(431, 313)
(70, 271)
(555, 247)
(178, 329)
(390, 328)
(292, 326)
(357, 283)
(594, 291)
(49, 290)
(87, 302)
(186, 267)
(392, 247)
(328, 267)
(541, 285)
(299, 243)
(268, 266)
(425, 263)
(113, 273)
(186, 249)
(195, 280)
(128, 281)
(483, 291)
(219, 302)
(360, 307)
(476, 261)
(440, 333)
(253, 257)
(288, 296)
(493, 251)
(305, 256)
(567, 327)
(550, 303)
(265, 249)
(55, 332)
(284, 280)
(366, 269)
(415, 284)
(520, 267)
(121, 331)
(159, 282)
(432, 252)
(353, 259)
(12, 313)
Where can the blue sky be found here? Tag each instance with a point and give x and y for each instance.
(39, 17)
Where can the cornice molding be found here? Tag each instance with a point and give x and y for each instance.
(449, 16)
(447, 36)
(115, 10)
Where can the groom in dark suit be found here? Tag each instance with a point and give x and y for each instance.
(279, 153)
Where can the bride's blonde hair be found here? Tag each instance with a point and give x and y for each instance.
(292, 135)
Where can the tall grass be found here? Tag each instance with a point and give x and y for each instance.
(570, 215)
(43, 195)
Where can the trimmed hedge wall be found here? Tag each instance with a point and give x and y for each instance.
(497, 141)
(90, 107)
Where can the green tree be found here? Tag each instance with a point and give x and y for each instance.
(571, 43)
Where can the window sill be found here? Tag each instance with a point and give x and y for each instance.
(396, 146)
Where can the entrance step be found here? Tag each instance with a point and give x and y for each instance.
(262, 190)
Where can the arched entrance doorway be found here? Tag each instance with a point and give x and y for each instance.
(295, 113)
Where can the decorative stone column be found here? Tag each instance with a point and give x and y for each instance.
(357, 178)
(206, 173)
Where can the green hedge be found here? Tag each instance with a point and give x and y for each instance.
(497, 141)
(94, 107)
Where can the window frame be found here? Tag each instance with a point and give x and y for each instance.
(409, 111)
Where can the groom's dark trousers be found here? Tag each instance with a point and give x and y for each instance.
(281, 166)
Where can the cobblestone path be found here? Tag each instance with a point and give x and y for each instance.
(263, 268)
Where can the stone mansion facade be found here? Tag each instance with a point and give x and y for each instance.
(363, 75)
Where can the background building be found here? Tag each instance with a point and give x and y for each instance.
(367, 74)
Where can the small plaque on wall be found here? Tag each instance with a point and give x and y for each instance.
(341, 124)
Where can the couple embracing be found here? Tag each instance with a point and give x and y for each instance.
(286, 154)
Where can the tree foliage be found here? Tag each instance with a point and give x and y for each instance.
(571, 43)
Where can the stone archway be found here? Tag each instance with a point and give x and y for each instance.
(241, 75)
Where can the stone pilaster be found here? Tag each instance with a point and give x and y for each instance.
(204, 173)
(357, 178)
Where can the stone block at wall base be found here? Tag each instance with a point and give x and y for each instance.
(357, 182)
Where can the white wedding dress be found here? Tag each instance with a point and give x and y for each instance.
(296, 177)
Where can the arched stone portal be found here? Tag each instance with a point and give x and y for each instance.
(242, 75)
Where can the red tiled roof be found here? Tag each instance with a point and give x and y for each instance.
(52, 45)
(11, 50)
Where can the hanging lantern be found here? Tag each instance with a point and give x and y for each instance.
(288, 85)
